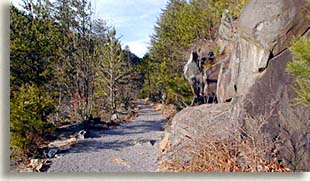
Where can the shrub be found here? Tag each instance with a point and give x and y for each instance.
(30, 107)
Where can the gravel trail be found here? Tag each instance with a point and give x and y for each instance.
(131, 147)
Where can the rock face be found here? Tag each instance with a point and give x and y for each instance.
(253, 79)
(265, 30)
(269, 99)
(270, 25)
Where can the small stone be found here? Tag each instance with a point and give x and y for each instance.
(52, 153)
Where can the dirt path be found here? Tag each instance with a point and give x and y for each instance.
(132, 147)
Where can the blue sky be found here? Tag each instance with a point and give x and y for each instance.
(134, 20)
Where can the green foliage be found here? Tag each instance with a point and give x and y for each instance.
(237, 7)
(303, 92)
(30, 108)
(300, 67)
(31, 49)
(301, 53)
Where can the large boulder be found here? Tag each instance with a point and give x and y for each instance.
(192, 123)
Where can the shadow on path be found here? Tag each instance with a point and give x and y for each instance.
(142, 129)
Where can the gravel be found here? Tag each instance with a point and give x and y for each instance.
(131, 147)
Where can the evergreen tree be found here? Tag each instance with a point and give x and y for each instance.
(74, 69)
(65, 68)
(33, 39)
(32, 43)
(30, 108)
(85, 60)
(113, 69)
(300, 67)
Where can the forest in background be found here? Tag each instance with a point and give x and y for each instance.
(68, 67)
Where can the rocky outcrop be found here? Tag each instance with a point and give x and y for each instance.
(253, 82)
(265, 30)
(270, 101)
(270, 25)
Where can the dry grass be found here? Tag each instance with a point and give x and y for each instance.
(216, 155)
(245, 150)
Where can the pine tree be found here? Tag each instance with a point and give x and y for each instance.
(300, 67)
(85, 60)
(75, 66)
(33, 39)
(113, 69)
(30, 108)
(65, 68)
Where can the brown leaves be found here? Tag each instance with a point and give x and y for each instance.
(225, 156)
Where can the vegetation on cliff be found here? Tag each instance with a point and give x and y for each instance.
(300, 67)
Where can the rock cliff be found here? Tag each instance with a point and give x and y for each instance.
(253, 82)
